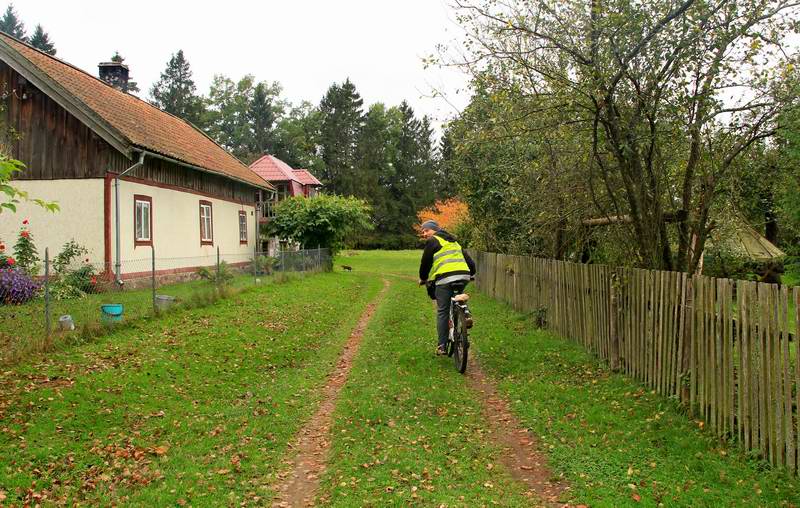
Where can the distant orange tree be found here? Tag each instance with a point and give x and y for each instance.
(448, 214)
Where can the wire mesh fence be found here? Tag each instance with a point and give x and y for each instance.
(80, 299)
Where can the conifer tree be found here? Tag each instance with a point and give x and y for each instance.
(342, 120)
(41, 41)
(12, 25)
(175, 91)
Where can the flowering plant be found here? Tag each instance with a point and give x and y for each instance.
(16, 286)
(25, 254)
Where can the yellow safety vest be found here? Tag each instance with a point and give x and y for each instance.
(447, 260)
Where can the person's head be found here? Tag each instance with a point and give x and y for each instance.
(429, 228)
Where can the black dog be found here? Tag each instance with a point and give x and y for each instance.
(347, 268)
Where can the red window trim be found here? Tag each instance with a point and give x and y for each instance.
(242, 213)
(200, 212)
(136, 241)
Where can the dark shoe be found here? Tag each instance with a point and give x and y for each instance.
(441, 350)
(468, 320)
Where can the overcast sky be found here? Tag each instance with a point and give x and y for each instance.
(304, 44)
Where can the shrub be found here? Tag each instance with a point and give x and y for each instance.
(209, 273)
(75, 284)
(16, 287)
(321, 221)
(71, 251)
(265, 264)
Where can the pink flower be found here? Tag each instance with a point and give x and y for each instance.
(93, 280)
(11, 261)
(25, 234)
(25, 221)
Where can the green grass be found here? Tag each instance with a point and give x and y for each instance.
(607, 434)
(22, 327)
(407, 431)
(196, 406)
(398, 262)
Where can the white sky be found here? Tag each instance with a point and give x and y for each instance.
(306, 45)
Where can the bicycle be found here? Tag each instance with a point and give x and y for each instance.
(460, 322)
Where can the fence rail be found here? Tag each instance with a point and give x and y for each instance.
(724, 348)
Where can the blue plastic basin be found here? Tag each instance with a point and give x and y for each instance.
(112, 312)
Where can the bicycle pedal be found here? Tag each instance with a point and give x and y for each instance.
(468, 321)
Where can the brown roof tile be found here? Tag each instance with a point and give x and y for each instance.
(141, 123)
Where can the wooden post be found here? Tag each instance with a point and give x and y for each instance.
(47, 294)
(614, 321)
(153, 276)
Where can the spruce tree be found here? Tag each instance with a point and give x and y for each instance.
(342, 120)
(262, 114)
(41, 41)
(12, 25)
(176, 93)
(132, 86)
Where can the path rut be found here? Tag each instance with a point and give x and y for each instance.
(299, 483)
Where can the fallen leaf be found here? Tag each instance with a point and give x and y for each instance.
(636, 497)
(160, 450)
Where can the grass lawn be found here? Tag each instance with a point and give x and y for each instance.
(195, 407)
(616, 442)
(407, 432)
(613, 440)
(22, 327)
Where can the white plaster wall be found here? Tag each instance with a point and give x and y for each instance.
(80, 217)
(176, 230)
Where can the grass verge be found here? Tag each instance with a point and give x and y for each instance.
(193, 408)
(617, 443)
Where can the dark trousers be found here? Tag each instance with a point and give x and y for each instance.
(443, 294)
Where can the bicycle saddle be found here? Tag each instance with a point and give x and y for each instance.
(463, 297)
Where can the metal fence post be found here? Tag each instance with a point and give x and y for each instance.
(153, 275)
(255, 263)
(218, 281)
(47, 294)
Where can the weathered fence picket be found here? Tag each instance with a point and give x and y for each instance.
(727, 349)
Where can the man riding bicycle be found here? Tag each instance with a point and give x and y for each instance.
(444, 267)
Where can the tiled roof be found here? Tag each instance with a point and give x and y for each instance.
(272, 169)
(306, 178)
(140, 123)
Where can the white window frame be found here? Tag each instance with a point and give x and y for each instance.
(140, 204)
(206, 223)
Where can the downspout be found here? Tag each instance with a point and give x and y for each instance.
(118, 264)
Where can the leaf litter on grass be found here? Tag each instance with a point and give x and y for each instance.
(166, 409)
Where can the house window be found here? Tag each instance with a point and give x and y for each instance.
(142, 220)
(206, 223)
(242, 227)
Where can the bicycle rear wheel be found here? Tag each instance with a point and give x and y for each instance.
(460, 340)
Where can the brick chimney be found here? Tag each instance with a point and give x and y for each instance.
(115, 74)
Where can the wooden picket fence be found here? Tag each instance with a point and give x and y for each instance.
(724, 348)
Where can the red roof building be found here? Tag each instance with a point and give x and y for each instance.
(287, 181)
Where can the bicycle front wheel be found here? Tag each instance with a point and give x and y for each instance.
(460, 341)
